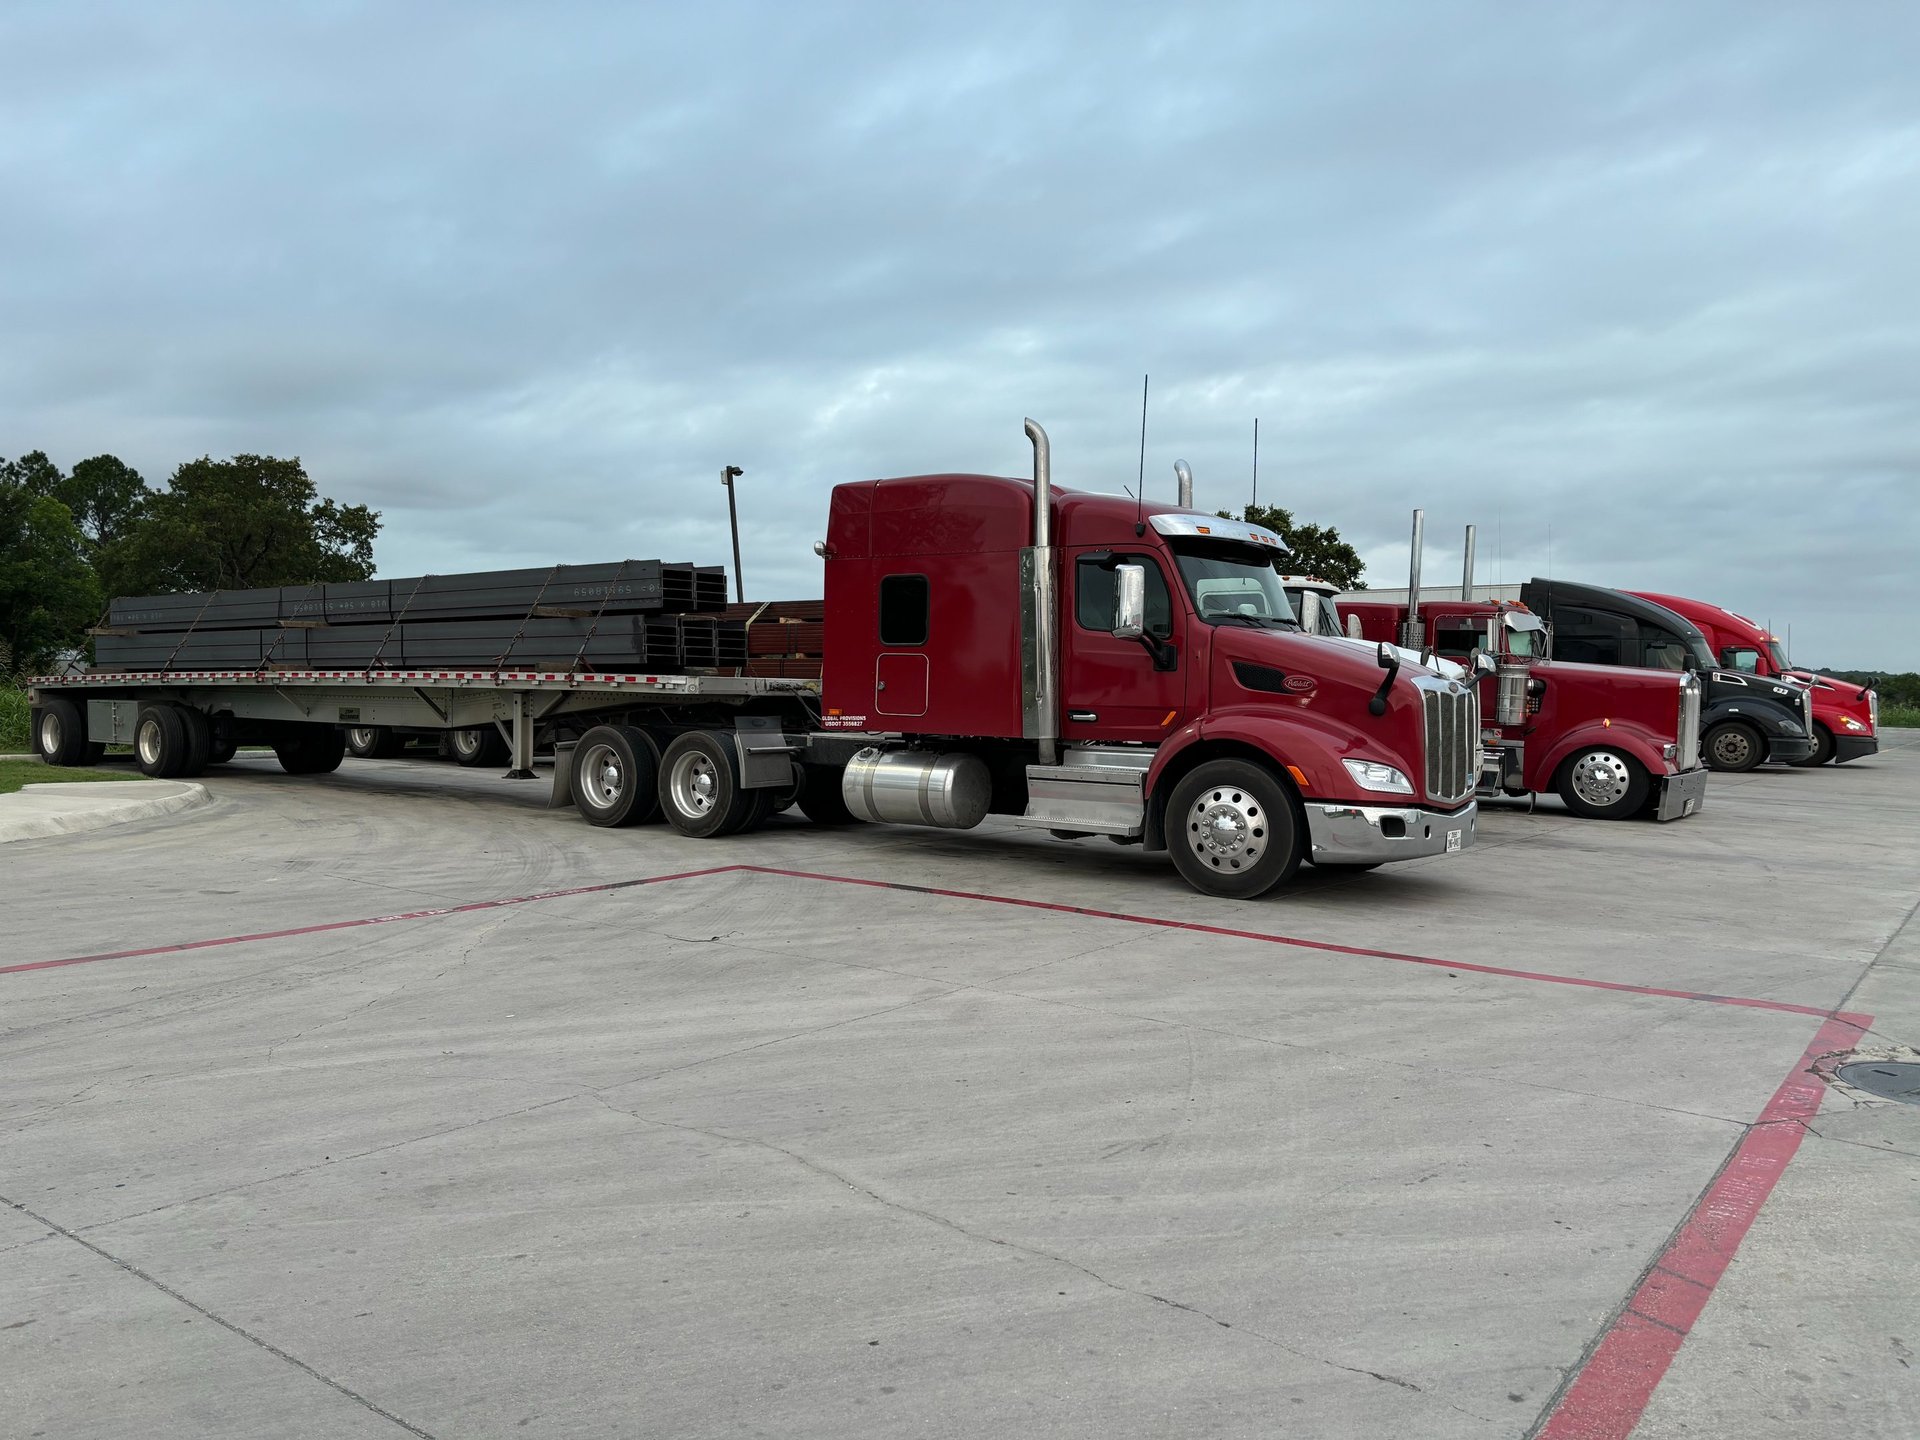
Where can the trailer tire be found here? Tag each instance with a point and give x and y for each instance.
(1232, 830)
(820, 799)
(317, 751)
(478, 748)
(1822, 748)
(1733, 746)
(1603, 784)
(616, 771)
(59, 734)
(374, 742)
(223, 750)
(700, 792)
(161, 744)
(199, 740)
(96, 751)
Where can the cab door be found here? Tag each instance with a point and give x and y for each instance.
(1110, 689)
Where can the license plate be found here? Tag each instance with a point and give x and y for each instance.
(1453, 840)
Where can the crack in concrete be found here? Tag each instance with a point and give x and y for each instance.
(267, 1345)
(932, 1217)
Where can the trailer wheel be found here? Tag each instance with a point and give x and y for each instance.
(161, 745)
(315, 751)
(616, 775)
(58, 732)
(820, 799)
(1733, 746)
(1603, 784)
(1822, 747)
(700, 792)
(477, 748)
(223, 750)
(374, 742)
(1231, 830)
(199, 739)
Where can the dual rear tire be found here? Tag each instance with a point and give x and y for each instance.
(60, 734)
(621, 776)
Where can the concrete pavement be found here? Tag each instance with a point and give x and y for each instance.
(788, 1149)
(56, 807)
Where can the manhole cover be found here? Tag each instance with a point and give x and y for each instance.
(1889, 1079)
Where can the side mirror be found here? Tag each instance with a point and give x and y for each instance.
(1130, 609)
(1484, 664)
(1390, 662)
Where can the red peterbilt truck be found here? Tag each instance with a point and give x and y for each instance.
(1846, 716)
(1612, 742)
(1084, 663)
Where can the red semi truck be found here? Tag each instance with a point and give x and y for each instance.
(1084, 663)
(1846, 716)
(1611, 742)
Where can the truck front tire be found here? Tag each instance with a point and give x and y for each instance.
(1232, 831)
(1733, 746)
(700, 791)
(616, 776)
(1603, 784)
(1822, 747)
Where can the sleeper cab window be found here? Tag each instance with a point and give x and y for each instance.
(905, 603)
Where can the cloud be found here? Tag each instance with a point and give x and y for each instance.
(525, 280)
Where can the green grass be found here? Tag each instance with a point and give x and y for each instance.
(1900, 717)
(15, 773)
(15, 733)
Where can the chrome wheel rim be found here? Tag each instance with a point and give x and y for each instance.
(694, 785)
(1732, 747)
(1601, 778)
(466, 742)
(148, 743)
(1227, 828)
(361, 738)
(50, 736)
(603, 777)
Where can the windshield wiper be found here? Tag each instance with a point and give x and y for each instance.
(1259, 622)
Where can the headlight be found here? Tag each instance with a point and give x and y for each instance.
(1372, 775)
(1851, 723)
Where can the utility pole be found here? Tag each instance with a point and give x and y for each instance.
(728, 475)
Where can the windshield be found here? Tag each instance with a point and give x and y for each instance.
(1233, 583)
(1317, 613)
(1779, 654)
(1530, 643)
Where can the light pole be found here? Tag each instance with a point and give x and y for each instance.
(727, 476)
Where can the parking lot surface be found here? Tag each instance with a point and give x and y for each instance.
(394, 1103)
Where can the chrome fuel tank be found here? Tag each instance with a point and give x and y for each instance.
(912, 787)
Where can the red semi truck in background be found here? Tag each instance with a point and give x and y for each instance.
(1085, 663)
(1611, 742)
(1846, 716)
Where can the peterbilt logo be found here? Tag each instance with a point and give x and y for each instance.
(1300, 684)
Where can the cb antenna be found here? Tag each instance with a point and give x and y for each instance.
(1256, 462)
(1140, 481)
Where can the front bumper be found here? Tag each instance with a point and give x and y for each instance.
(1854, 747)
(1789, 749)
(1370, 834)
(1683, 794)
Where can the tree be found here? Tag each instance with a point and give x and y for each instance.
(231, 524)
(106, 497)
(48, 592)
(1315, 550)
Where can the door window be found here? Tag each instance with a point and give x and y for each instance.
(1096, 594)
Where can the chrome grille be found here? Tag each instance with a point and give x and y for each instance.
(1452, 728)
(1688, 754)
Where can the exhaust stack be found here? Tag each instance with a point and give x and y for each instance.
(1412, 632)
(1466, 570)
(1040, 668)
(1183, 472)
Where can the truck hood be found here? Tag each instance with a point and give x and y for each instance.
(1842, 689)
(1439, 664)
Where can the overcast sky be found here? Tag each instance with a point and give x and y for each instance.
(525, 277)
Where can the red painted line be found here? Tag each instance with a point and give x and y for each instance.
(466, 909)
(1545, 977)
(1612, 1389)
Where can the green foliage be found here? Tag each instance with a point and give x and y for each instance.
(16, 732)
(49, 594)
(1901, 689)
(230, 524)
(107, 498)
(1315, 550)
(1900, 717)
(15, 773)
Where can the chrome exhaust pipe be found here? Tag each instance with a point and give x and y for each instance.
(1466, 570)
(1042, 700)
(1183, 472)
(1412, 631)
